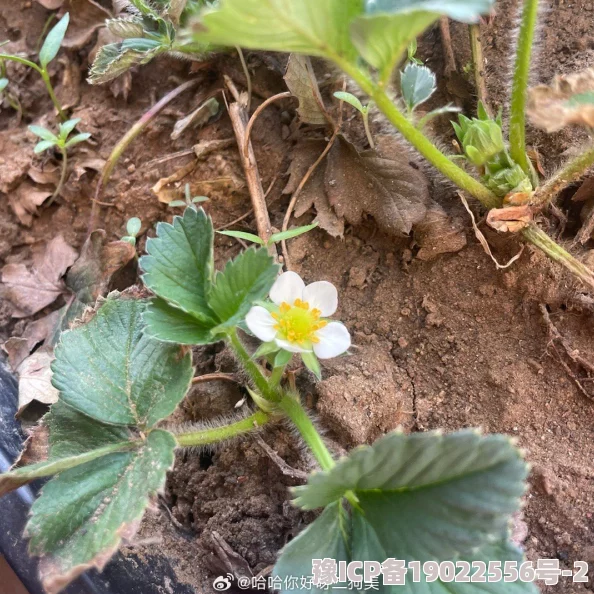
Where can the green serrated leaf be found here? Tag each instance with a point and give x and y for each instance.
(312, 363)
(110, 370)
(454, 492)
(384, 33)
(115, 58)
(43, 133)
(126, 28)
(243, 235)
(417, 84)
(51, 46)
(284, 235)
(43, 146)
(324, 538)
(179, 265)
(307, 27)
(170, 324)
(350, 99)
(244, 280)
(82, 514)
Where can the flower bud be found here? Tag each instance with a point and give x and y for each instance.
(511, 179)
(482, 140)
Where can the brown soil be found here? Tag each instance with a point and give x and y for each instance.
(444, 344)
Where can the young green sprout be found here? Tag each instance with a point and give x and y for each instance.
(189, 199)
(274, 238)
(364, 110)
(49, 50)
(62, 143)
(132, 229)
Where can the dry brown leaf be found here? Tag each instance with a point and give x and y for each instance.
(15, 158)
(89, 162)
(313, 193)
(568, 100)
(32, 289)
(438, 234)
(389, 189)
(25, 200)
(196, 118)
(165, 194)
(18, 348)
(35, 379)
(86, 16)
(50, 4)
(69, 91)
(510, 219)
(45, 175)
(301, 81)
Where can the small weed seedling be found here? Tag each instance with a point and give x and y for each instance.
(424, 497)
(189, 199)
(49, 50)
(132, 229)
(274, 238)
(62, 143)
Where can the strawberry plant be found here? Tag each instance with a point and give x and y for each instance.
(121, 374)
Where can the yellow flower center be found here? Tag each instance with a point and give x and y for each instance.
(298, 323)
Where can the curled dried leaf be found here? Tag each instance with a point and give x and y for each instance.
(510, 219)
(568, 100)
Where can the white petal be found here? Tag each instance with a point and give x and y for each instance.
(287, 287)
(323, 296)
(334, 340)
(290, 346)
(261, 323)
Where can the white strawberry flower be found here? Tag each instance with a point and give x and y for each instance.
(296, 322)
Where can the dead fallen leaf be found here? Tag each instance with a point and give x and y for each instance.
(389, 189)
(31, 289)
(15, 158)
(206, 147)
(69, 91)
(19, 348)
(165, 194)
(438, 234)
(585, 191)
(568, 100)
(196, 118)
(35, 379)
(301, 81)
(45, 176)
(510, 219)
(313, 193)
(50, 4)
(90, 162)
(86, 16)
(25, 200)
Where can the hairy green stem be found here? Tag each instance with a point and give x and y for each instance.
(517, 121)
(540, 239)
(438, 159)
(569, 173)
(276, 376)
(291, 406)
(62, 177)
(218, 434)
(253, 369)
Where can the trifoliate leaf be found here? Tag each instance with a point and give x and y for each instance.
(110, 370)
(179, 265)
(384, 33)
(244, 280)
(453, 492)
(325, 538)
(115, 58)
(170, 324)
(308, 27)
(83, 514)
(301, 81)
(51, 46)
(417, 84)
